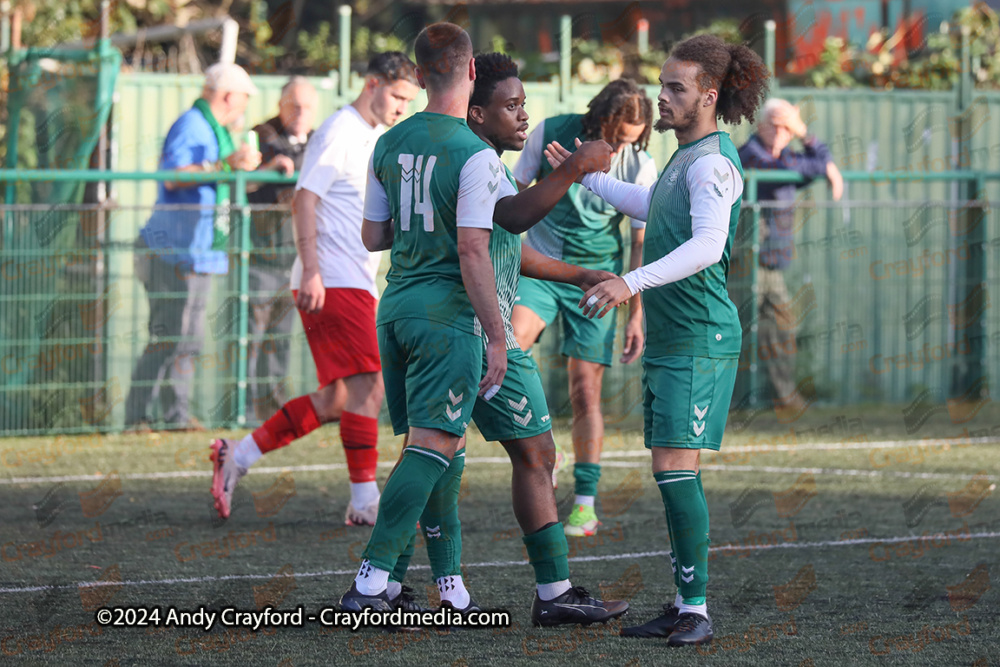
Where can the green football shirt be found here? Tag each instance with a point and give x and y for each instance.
(582, 228)
(505, 251)
(430, 174)
(693, 316)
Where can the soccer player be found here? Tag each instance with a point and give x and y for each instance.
(584, 230)
(693, 332)
(432, 187)
(518, 416)
(333, 282)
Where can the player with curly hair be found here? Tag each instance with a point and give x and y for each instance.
(584, 230)
(693, 333)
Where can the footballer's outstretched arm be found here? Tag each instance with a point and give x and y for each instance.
(376, 226)
(715, 186)
(520, 212)
(478, 183)
(536, 265)
(628, 198)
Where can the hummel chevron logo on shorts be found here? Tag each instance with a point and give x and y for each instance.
(523, 421)
(455, 400)
(518, 406)
(452, 415)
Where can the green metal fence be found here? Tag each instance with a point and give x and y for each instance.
(890, 300)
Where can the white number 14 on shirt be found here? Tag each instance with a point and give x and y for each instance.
(415, 178)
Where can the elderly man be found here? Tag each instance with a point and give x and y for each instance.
(780, 123)
(183, 245)
(283, 146)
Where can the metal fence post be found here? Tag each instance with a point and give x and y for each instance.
(769, 51)
(971, 297)
(344, 83)
(751, 193)
(244, 298)
(565, 58)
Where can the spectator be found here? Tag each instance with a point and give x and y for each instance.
(780, 123)
(283, 145)
(181, 247)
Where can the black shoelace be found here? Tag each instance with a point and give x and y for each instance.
(406, 596)
(688, 622)
(580, 593)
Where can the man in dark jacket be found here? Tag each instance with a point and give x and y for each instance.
(282, 145)
(780, 123)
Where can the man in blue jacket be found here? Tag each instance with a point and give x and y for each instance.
(780, 123)
(183, 245)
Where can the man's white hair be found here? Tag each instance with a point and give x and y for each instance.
(771, 107)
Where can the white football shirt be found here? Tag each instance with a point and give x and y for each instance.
(335, 168)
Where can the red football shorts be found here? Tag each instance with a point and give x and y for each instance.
(342, 336)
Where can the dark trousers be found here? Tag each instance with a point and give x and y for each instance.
(177, 302)
(271, 318)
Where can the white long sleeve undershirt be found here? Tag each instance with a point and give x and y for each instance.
(714, 184)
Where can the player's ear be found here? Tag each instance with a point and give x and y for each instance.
(472, 69)
(420, 79)
(711, 97)
(476, 114)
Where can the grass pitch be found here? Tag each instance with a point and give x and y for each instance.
(878, 550)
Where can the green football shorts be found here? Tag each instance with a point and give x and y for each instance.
(431, 373)
(519, 409)
(583, 338)
(686, 400)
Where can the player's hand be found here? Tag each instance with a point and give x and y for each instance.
(592, 277)
(634, 338)
(496, 368)
(244, 158)
(592, 156)
(556, 155)
(312, 294)
(600, 299)
(280, 163)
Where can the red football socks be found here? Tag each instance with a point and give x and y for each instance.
(360, 436)
(296, 418)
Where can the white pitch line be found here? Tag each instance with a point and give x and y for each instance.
(324, 467)
(823, 446)
(504, 563)
(840, 471)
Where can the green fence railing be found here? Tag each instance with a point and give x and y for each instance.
(889, 299)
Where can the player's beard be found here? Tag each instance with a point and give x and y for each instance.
(687, 119)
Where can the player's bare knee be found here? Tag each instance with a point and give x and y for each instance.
(325, 404)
